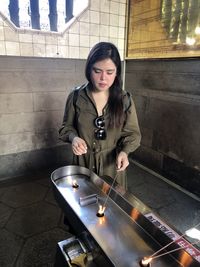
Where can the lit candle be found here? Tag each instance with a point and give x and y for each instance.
(101, 210)
(146, 262)
(74, 184)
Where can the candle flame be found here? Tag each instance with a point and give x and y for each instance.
(101, 209)
(75, 184)
(146, 261)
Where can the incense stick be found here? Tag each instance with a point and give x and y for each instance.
(171, 242)
(110, 189)
(173, 250)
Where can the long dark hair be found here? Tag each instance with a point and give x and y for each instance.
(101, 51)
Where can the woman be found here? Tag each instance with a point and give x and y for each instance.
(100, 118)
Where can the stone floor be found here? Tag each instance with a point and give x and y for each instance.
(176, 206)
(31, 223)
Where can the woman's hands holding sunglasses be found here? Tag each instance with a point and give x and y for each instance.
(122, 161)
(79, 146)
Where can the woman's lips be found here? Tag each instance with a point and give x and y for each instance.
(102, 84)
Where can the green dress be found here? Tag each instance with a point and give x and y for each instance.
(101, 154)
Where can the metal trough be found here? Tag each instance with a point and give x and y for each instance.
(122, 237)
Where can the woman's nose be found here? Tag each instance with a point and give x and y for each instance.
(102, 76)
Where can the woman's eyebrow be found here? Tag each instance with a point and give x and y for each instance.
(96, 68)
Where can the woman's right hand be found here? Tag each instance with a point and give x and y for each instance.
(79, 146)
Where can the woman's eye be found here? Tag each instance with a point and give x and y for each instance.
(97, 71)
(109, 72)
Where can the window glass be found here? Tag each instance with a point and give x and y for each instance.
(45, 15)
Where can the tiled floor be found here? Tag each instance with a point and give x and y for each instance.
(31, 223)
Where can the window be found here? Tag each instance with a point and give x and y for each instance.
(44, 15)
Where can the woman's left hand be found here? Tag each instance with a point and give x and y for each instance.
(122, 161)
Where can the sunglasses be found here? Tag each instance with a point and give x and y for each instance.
(100, 133)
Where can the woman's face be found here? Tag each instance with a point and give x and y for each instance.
(103, 74)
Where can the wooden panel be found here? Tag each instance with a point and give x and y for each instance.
(158, 29)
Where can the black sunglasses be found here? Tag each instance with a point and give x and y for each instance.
(100, 133)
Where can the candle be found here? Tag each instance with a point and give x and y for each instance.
(100, 212)
(145, 262)
(74, 184)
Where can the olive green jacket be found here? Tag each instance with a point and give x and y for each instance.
(101, 154)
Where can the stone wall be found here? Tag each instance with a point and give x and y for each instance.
(167, 96)
(33, 95)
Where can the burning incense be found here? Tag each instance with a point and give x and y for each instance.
(146, 261)
(114, 180)
(102, 208)
(176, 249)
(173, 241)
(193, 232)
